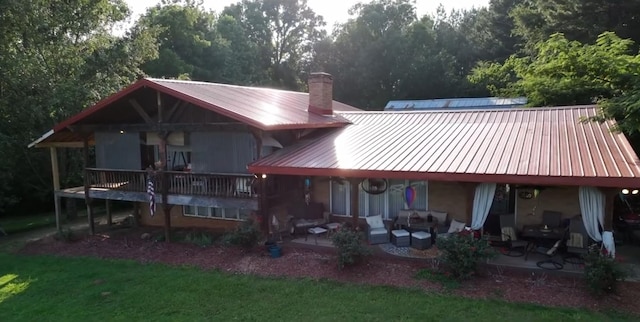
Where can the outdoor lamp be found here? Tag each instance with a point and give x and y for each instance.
(264, 176)
(634, 192)
(625, 191)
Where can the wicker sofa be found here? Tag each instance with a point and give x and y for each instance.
(303, 216)
(442, 217)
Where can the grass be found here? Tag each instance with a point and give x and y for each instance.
(87, 289)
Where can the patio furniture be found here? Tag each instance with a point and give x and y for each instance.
(551, 219)
(332, 227)
(377, 233)
(514, 247)
(420, 240)
(577, 243)
(401, 238)
(315, 231)
(538, 235)
(550, 263)
(304, 216)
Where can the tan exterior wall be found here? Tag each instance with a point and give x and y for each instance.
(320, 191)
(448, 197)
(179, 220)
(562, 199)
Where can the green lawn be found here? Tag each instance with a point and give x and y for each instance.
(82, 289)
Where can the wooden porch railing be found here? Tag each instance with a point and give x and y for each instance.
(181, 183)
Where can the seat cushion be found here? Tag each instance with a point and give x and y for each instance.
(421, 235)
(456, 226)
(400, 233)
(377, 231)
(441, 216)
(375, 221)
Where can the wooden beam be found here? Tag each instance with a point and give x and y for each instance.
(159, 103)
(257, 135)
(164, 177)
(174, 108)
(354, 183)
(163, 127)
(56, 183)
(107, 205)
(263, 205)
(610, 197)
(87, 199)
(141, 111)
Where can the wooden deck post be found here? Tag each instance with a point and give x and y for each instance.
(87, 198)
(56, 184)
(164, 179)
(107, 205)
(354, 201)
(610, 197)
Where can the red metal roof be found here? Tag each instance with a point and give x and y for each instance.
(525, 146)
(263, 108)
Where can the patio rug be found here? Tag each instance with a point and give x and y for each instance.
(410, 252)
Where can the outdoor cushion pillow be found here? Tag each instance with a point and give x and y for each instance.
(441, 216)
(375, 221)
(456, 226)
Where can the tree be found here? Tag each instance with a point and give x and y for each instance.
(284, 31)
(56, 58)
(564, 72)
(581, 20)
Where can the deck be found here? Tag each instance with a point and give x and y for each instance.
(196, 189)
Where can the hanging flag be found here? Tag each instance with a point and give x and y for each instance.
(152, 195)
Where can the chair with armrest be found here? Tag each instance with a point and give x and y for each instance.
(514, 247)
(377, 232)
(577, 243)
(552, 219)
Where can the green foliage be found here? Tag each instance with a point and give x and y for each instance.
(601, 272)
(462, 253)
(246, 235)
(443, 278)
(200, 238)
(350, 246)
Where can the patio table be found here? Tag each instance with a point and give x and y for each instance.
(538, 235)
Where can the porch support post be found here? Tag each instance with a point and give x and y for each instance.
(470, 191)
(56, 184)
(87, 198)
(107, 205)
(354, 202)
(263, 206)
(164, 179)
(610, 196)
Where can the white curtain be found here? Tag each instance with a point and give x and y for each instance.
(608, 243)
(592, 207)
(482, 200)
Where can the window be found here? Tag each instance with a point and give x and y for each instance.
(386, 204)
(220, 213)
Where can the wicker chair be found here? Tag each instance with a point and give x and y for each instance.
(377, 232)
(514, 246)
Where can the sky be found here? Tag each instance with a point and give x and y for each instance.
(333, 11)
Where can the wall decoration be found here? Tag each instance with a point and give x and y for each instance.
(409, 195)
(374, 186)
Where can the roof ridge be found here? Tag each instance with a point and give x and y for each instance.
(153, 79)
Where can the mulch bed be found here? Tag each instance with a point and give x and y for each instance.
(300, 261)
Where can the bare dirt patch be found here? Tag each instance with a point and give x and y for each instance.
(320, 263)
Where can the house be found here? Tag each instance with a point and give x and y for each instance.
(456, 103)
(252, 149)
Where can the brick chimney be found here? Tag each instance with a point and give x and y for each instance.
(321, 93)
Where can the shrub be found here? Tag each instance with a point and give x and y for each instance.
(201, 239)
(246, 235)
(601, 272)
(350, 246)
(461, 252)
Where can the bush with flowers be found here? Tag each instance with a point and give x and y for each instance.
(601, 271)
(461, 253)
